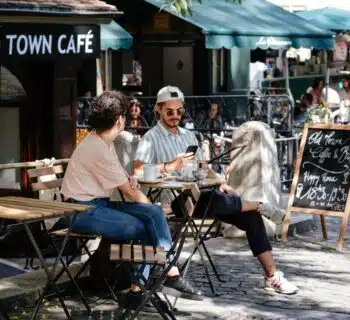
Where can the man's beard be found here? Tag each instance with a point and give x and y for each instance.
(172, 123)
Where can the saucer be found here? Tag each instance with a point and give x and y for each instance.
(150, 182)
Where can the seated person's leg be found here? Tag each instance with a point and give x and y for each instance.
(226, 204)
(155, 221)
(261, 248)
(247, 217)
(153, 218)
(110, 223)
(253, 225)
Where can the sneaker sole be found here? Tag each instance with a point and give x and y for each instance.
(281, 292)
(178, 294)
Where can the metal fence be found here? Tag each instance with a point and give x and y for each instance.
(275, 108)
(235, 109)
(287, 150)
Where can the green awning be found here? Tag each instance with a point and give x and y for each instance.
(252, 24)
(113, 36)
(328, 18)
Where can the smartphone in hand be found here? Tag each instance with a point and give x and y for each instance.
(191, 150)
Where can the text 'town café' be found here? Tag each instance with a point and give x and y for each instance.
(47, 58)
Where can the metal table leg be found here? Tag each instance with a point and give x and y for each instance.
(66, 270)
(202, 243)
(51, 283)
(197, 244)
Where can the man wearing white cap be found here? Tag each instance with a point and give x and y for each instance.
(165, 145)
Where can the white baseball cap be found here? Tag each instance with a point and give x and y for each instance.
(169, 93)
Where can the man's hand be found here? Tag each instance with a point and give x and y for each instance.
(179, 162)
(227, 189)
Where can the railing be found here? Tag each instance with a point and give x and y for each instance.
(235, 109)
(287, 150)
(31, 164)
(274, 107)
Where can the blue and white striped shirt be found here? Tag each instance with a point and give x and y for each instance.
(159, 145)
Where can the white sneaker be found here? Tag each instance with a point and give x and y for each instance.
(276, 215)
(278, 283)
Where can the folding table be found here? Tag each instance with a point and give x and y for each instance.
(25, 211)
(180, 186)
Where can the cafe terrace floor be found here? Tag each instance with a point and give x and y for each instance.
(322, 274)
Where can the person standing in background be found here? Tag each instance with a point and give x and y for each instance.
(344, 90)
(316, 90)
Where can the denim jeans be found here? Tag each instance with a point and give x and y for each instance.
(125, 221)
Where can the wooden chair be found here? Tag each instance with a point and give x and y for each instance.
(55, 183)
(46, 179)
(38, 173)
(37, 186)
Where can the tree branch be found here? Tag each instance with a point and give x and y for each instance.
(183, 7)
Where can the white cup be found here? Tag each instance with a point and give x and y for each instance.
(150, 172)
(187, 172)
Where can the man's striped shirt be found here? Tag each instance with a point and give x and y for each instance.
(159, 145)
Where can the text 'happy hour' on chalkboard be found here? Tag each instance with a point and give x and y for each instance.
(321, 182)
(324, 173)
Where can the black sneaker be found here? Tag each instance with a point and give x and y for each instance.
(181, 288)
(132, 300)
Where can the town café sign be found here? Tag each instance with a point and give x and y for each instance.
(44, 41)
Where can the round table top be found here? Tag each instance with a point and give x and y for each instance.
(177, 184)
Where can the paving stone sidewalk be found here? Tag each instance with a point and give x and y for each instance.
(322, 275)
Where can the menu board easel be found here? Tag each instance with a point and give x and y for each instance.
(321, 182)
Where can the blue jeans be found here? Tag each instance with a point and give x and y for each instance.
(125, 221)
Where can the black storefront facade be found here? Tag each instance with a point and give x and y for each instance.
(46, 61)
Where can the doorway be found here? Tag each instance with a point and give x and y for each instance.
(178, 68)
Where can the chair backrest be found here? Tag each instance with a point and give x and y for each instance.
(189, 207)
(195, 192)
(39, 175)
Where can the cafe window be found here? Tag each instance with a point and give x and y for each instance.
(10, 87)
(10, 90)
(132, 70)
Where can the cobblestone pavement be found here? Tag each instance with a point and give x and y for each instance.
(322, 275)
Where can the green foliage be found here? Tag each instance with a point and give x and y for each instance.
(183, 7)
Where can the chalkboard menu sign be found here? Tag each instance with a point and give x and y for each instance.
(324, 173)
(321, 182)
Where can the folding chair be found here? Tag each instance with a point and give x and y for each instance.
(55, 184)
(157, 259)
(83, 238)
(198, 236)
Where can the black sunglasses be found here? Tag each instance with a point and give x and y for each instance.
(179, 111)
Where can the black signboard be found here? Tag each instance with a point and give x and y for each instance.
(321, 181)
(49, 41)
(324, 174)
